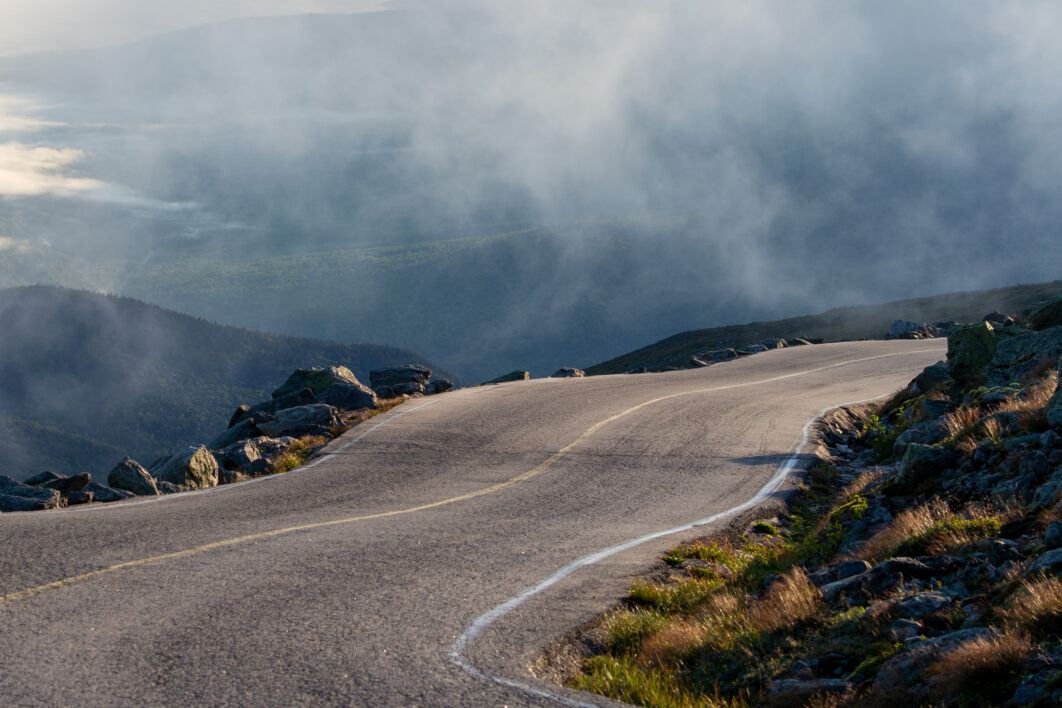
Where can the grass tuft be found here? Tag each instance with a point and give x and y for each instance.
(790, 602)
(980, 671)
(1036, 607)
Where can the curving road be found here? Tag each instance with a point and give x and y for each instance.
(406, 566)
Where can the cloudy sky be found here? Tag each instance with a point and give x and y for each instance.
(43, 25)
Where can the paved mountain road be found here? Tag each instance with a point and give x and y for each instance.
(350, 582)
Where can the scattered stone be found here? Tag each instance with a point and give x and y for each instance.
(750, 349)
(919, 605)
(1017, 355)
(239, 455)
(568, 372)
(838, 571)
(399, 380)
(194, 468)
(130, 476)
(921, 461)
(907, 329)
(302, 397)
(170, 488)
(904, 629)
(774, 343)
(243, 430)
(902, 678)
(717, 355)
(78, 498)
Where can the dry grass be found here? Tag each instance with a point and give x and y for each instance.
(905, 526)
(789, 602)
(980, 661)
(857, 486)
(962, 420)
(1036, 607)
(671, 644)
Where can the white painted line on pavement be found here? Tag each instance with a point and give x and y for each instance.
(485, 620)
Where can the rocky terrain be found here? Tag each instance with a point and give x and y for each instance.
(919, 565)
(311, 408)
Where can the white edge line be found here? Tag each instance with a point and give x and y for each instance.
(485, 620)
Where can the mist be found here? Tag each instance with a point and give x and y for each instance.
(682, 164)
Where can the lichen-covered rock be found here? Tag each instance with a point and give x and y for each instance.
(1046, 313)
(902, 678)
(194, 468)
(318, 379)
(518, 375)
(970, 349)
(1016, 356)
(130, 476)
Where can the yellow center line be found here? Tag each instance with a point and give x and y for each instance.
(524, 476)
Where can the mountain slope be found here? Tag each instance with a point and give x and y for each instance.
(87, 378)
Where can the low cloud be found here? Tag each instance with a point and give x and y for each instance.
(29, 171)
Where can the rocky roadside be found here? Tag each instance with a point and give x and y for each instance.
(920, 564)
(308, 410)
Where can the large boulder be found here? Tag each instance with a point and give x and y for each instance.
(314, 419)
(103, 493)
(15, 496)
(130, 476)
(1046, 313)
(244, 430)
(350, 397)
(318, 379)
(302, 397)
(902, 679)
(193, 468)
(400, 380)
(923, 461)
(1017, 355)
(518, 375)
(970, 348)
(239, 455)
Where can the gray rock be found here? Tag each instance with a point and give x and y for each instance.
(1000, 319)
(79, 497)
(518, 375)
(351, 397)
(695, 363)
(932, 377)
(928, 432)
(908, 329)
(170, 488)
(130, 476)
(303, 420)
(799, 342)
(922, 604)
(441, 386)
(103, 493)
(568, 372)
(1053, 535)
(838, 571)
(904, 629)
(69, 485)
(1051, 490)
(717, 355)
(902, 678)
(921, 461)
(750, 349)
(318, 379)
(1046, 313)
(244, 430)
(970, 348)
(1016, 356)
(193, 468)
(9, 502)
(775, 343)
(399, 375)
(1050, 562)
(239, 455)
(302, 397)
(794, 692)
(22, 497)
(40, 480)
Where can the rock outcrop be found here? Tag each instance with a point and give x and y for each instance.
(193, 468)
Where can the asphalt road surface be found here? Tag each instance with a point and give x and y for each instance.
(428, 559)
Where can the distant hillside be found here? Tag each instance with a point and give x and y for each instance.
(86, 378)
(869, 322)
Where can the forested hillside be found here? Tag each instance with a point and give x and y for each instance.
(87, 378)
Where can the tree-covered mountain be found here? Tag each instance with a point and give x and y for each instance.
(86, 378)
